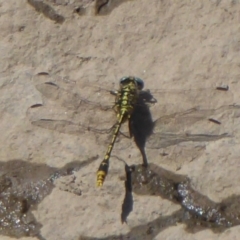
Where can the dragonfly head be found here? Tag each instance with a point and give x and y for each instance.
(138, 81)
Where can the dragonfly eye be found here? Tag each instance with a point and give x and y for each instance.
(139, 81)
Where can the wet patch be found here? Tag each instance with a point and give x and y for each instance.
(197, 211)
(23, 186)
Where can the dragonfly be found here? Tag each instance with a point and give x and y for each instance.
(126, 99)
(67, 109)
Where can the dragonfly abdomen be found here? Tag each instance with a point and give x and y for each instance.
(103, 168)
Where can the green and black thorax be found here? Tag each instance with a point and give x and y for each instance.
(127, 97)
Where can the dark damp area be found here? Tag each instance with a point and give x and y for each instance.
(23, 185)
(197, 211)
(46, 10)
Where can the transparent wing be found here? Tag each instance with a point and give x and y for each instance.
(175, 100)
(194, 125)
(67, 110)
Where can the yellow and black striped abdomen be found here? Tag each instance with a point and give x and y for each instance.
(124, 104)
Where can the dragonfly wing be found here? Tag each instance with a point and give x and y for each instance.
(179, 99)
(64, 93)
(61, 120)
(191, 125)
(49, 118)
(158, 140)
(52, 91)
(67, 111)
(62, 126)
(180, 121)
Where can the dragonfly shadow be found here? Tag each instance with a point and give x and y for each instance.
(141, 124)
(141, 127)
(127, 205)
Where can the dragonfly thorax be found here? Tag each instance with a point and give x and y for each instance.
(126, 98)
